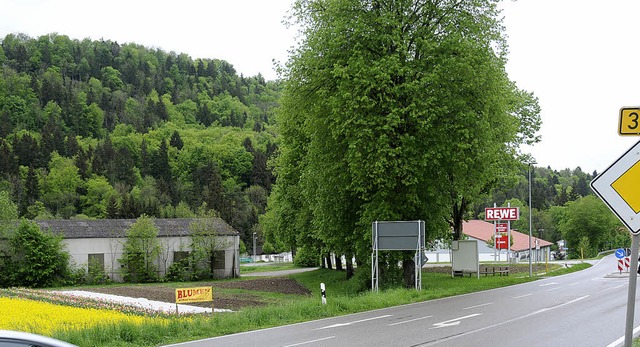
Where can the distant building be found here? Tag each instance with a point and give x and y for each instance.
(101, 241)
(482, 232)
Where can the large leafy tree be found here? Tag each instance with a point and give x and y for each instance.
(393, 110)
(589, 218)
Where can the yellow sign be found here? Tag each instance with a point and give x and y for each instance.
(197, 294)
(629, 121)
(627, 186)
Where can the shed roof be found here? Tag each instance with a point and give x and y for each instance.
(109, 228)
(482, 230)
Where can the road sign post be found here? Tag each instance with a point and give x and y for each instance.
(631, 297)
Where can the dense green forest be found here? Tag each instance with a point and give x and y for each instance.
(97, 129)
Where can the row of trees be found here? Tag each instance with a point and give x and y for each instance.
(393, 111)
(403, 111)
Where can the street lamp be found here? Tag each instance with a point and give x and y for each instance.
(254, 247)
(530, 266)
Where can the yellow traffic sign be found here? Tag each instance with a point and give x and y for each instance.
(627, 187)
(629, 123)
(617, 186)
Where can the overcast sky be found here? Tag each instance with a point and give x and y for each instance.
(579, 57)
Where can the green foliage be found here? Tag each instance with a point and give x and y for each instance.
(33, 258)
(267, 248)
(589, 226)
(584, 249)
(306, 257)
(140, 252)
(180, 271)
(144, 120)
(96, 273)
(205, 246)
(385, 116)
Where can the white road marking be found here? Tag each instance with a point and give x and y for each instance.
(553, 289)
(548, 284)
(308, 342)
(493, 326)
(620, 341)
(476, 306)
(574, 283)
(354, 322)
(452, 322)
(410, 320)
(522, 296)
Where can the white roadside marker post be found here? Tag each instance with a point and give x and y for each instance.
(324, 294)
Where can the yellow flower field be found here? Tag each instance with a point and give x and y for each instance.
(45, 318)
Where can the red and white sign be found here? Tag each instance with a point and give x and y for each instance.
(501, 241)
(501, 227)
(626, 263)
(501, 213)
(620, 265)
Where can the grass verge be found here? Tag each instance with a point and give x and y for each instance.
(341, 300)
(250, 268)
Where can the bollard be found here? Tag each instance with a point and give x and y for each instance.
(324, 294)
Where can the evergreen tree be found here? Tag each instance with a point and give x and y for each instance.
(176, 141)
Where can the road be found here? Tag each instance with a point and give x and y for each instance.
(586, 308)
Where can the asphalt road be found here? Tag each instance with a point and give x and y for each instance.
(586, 308)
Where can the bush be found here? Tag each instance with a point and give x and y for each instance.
(307, 257)
(36, 258)
(179, 271)
(96, 273)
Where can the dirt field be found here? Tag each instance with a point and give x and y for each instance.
(234, 302)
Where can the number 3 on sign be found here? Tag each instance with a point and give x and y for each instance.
(629, 121)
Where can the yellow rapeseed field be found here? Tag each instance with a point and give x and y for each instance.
(45, 318)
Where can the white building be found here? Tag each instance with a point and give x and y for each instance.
(482, 232)
(101, 242)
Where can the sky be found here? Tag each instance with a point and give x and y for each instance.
(579, 57)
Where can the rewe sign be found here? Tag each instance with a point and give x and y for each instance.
(501, 213)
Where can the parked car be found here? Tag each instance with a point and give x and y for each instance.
(9, 338)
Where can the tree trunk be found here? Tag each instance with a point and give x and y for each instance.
(457, 217)
(338, 261)
(212, 260)
(349, 266)
(409, 273)
(327, 258)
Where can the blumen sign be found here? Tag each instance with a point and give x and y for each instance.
(197, 294)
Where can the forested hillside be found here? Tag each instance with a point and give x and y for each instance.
(98, 129)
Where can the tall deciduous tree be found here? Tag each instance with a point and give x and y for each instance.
(396, 110)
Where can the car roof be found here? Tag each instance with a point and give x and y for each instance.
(39, 340)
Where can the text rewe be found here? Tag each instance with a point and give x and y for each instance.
(501, 213)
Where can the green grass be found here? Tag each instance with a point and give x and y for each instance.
(250, 268)
(342, 298)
